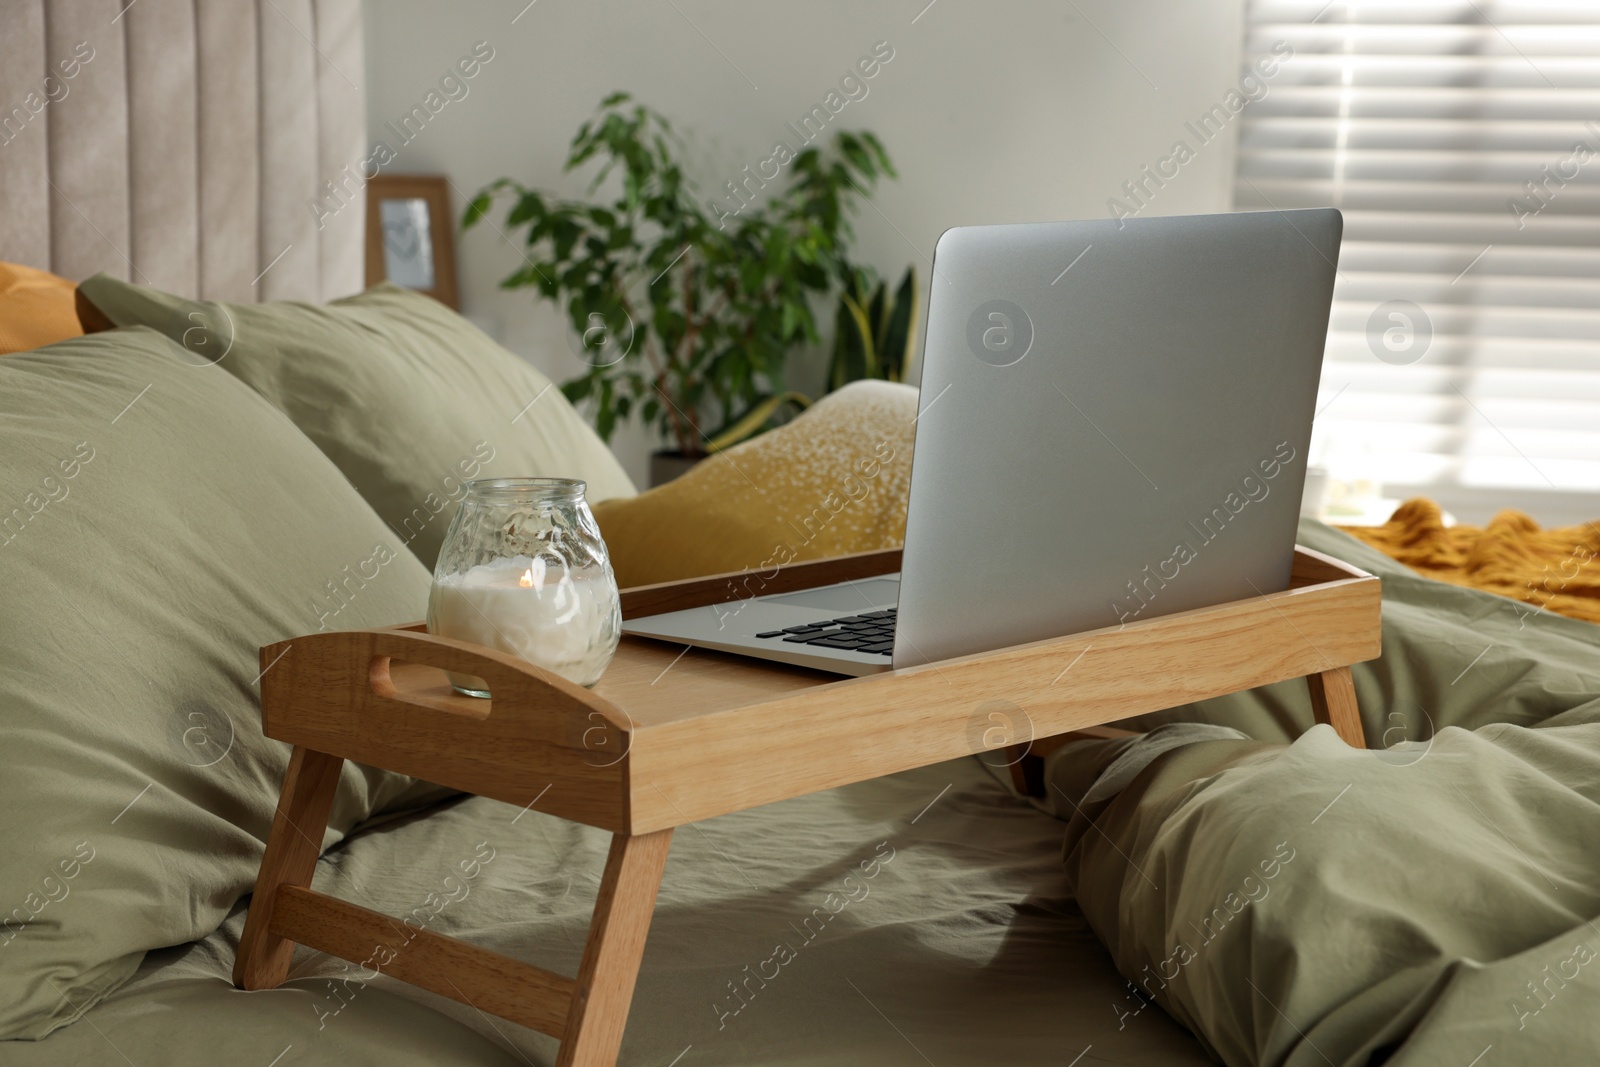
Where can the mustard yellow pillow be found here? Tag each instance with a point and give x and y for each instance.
(36, 309)
(831, 482)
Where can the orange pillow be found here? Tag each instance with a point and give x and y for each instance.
(36, 309)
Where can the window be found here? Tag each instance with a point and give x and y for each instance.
(1461, 139)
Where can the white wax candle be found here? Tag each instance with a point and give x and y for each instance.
(563, 622)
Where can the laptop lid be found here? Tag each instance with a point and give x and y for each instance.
(1113, 425)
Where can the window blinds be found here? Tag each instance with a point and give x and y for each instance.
(1461, 139)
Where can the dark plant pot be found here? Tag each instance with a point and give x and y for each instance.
(665, 466)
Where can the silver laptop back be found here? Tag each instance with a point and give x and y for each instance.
(1113, 423)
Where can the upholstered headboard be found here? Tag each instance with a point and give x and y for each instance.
(182, 143)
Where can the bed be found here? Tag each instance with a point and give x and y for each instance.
(968, 947)
(965, 947)
(968, 944)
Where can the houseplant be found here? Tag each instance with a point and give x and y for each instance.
(687, 310)
(874, 333)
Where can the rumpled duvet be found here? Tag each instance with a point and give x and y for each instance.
(1430, 901)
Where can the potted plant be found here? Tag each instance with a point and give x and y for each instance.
(686, 311)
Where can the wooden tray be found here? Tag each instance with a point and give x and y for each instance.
(671, 737)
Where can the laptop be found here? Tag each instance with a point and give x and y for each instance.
(1113, 425)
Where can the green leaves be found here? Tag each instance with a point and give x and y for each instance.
(476, 209)
(530, 206)
(754, 419)
(873, 337)
(714, 300)
(898, 328)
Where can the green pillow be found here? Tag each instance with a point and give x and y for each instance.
(404, 395)
(159, 522)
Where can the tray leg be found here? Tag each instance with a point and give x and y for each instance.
(292, 850)
(615, 946)
(1333, 701)
(1027, 761)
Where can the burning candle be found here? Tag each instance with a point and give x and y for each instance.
(533, 607)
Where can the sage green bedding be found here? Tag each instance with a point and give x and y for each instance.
(161, 522)
(1433, 902)
(962, 945)
(406, 397)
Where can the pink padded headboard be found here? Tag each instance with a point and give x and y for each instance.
(178, 143)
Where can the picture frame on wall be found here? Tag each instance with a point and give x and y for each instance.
(411, 234)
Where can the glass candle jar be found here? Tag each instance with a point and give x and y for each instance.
(524, 570)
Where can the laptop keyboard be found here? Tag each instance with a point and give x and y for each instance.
(871, 632)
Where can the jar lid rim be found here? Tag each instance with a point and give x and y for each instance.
(549, 487)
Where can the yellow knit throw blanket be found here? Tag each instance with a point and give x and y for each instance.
(1558, 570)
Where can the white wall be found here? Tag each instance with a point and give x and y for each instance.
(993, 112)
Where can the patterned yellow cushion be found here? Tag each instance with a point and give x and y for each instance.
(831, 482)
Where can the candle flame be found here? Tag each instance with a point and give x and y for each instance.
(526, 581)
